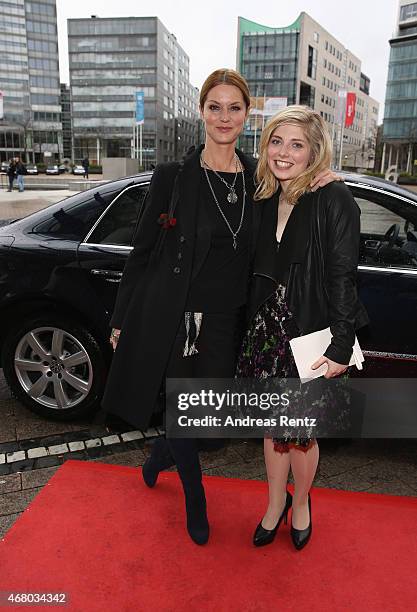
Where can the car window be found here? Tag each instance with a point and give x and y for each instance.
(74, 222)
(388, 231)
(118, 224)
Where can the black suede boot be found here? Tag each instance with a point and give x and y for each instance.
(185, 453)
(159, 459)
(196, 508)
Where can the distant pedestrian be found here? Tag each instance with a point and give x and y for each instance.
(85, 165)
(20, 172)
(11, 173)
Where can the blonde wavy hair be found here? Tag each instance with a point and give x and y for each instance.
(317, 135)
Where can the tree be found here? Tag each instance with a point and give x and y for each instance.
(26, 124)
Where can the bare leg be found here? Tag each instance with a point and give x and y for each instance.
(277, 468)
(303, 467)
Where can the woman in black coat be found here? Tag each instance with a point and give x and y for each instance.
(183, 293)
(304, 281)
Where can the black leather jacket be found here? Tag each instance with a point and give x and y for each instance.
(317, 262)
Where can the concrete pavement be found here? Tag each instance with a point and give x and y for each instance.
(16, 205)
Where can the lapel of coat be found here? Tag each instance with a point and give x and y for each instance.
(249, 163)
(189, 194)
(266, 244)
(194, 225)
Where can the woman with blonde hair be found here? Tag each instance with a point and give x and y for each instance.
(304, 280)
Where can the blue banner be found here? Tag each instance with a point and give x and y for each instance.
(140, 107)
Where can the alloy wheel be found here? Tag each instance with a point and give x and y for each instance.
(53, 367)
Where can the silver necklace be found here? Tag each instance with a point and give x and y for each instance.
(232, 195)
(234, 234)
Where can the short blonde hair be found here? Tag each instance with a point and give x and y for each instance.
(317, 135)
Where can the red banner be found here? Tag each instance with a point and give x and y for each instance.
(350, 108)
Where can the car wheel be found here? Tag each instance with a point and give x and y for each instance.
(54, 366)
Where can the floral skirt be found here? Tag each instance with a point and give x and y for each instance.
(266, 353)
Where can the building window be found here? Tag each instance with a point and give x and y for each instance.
(312, 62)
(316, 37)
(408, 11)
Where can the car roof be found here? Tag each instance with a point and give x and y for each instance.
(378, 183)
(103, 188)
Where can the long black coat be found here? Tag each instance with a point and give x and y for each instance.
(153, 291)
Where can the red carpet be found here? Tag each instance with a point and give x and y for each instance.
(96, 532)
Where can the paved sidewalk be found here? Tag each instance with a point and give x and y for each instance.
(16, 205)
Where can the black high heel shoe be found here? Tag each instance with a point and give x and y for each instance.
(300, 537)
(263, 536)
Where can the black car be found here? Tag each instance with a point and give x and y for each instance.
(60, 268)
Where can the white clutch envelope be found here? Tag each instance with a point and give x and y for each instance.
(307, 349)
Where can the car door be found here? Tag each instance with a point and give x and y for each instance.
(388, 278)
(103, 253)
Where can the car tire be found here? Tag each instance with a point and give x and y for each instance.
(54, 366)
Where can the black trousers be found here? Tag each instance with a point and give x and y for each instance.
(218, 344)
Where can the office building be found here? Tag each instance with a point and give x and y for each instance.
(303, 64)
(29, 81)
(110, 60)
(66, 121)
(400, 116)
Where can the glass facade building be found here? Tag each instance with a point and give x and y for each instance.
(110, 60)
(303, 64)
(400, 119)
(29, 80)
(66, 121)
(268, 58)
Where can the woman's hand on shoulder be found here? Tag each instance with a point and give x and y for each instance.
(324, 178)
(333, 368)
(114, 338)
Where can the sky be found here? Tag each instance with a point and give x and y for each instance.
(207, 30)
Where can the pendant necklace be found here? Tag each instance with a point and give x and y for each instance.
(232, 195)
(236, 232)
